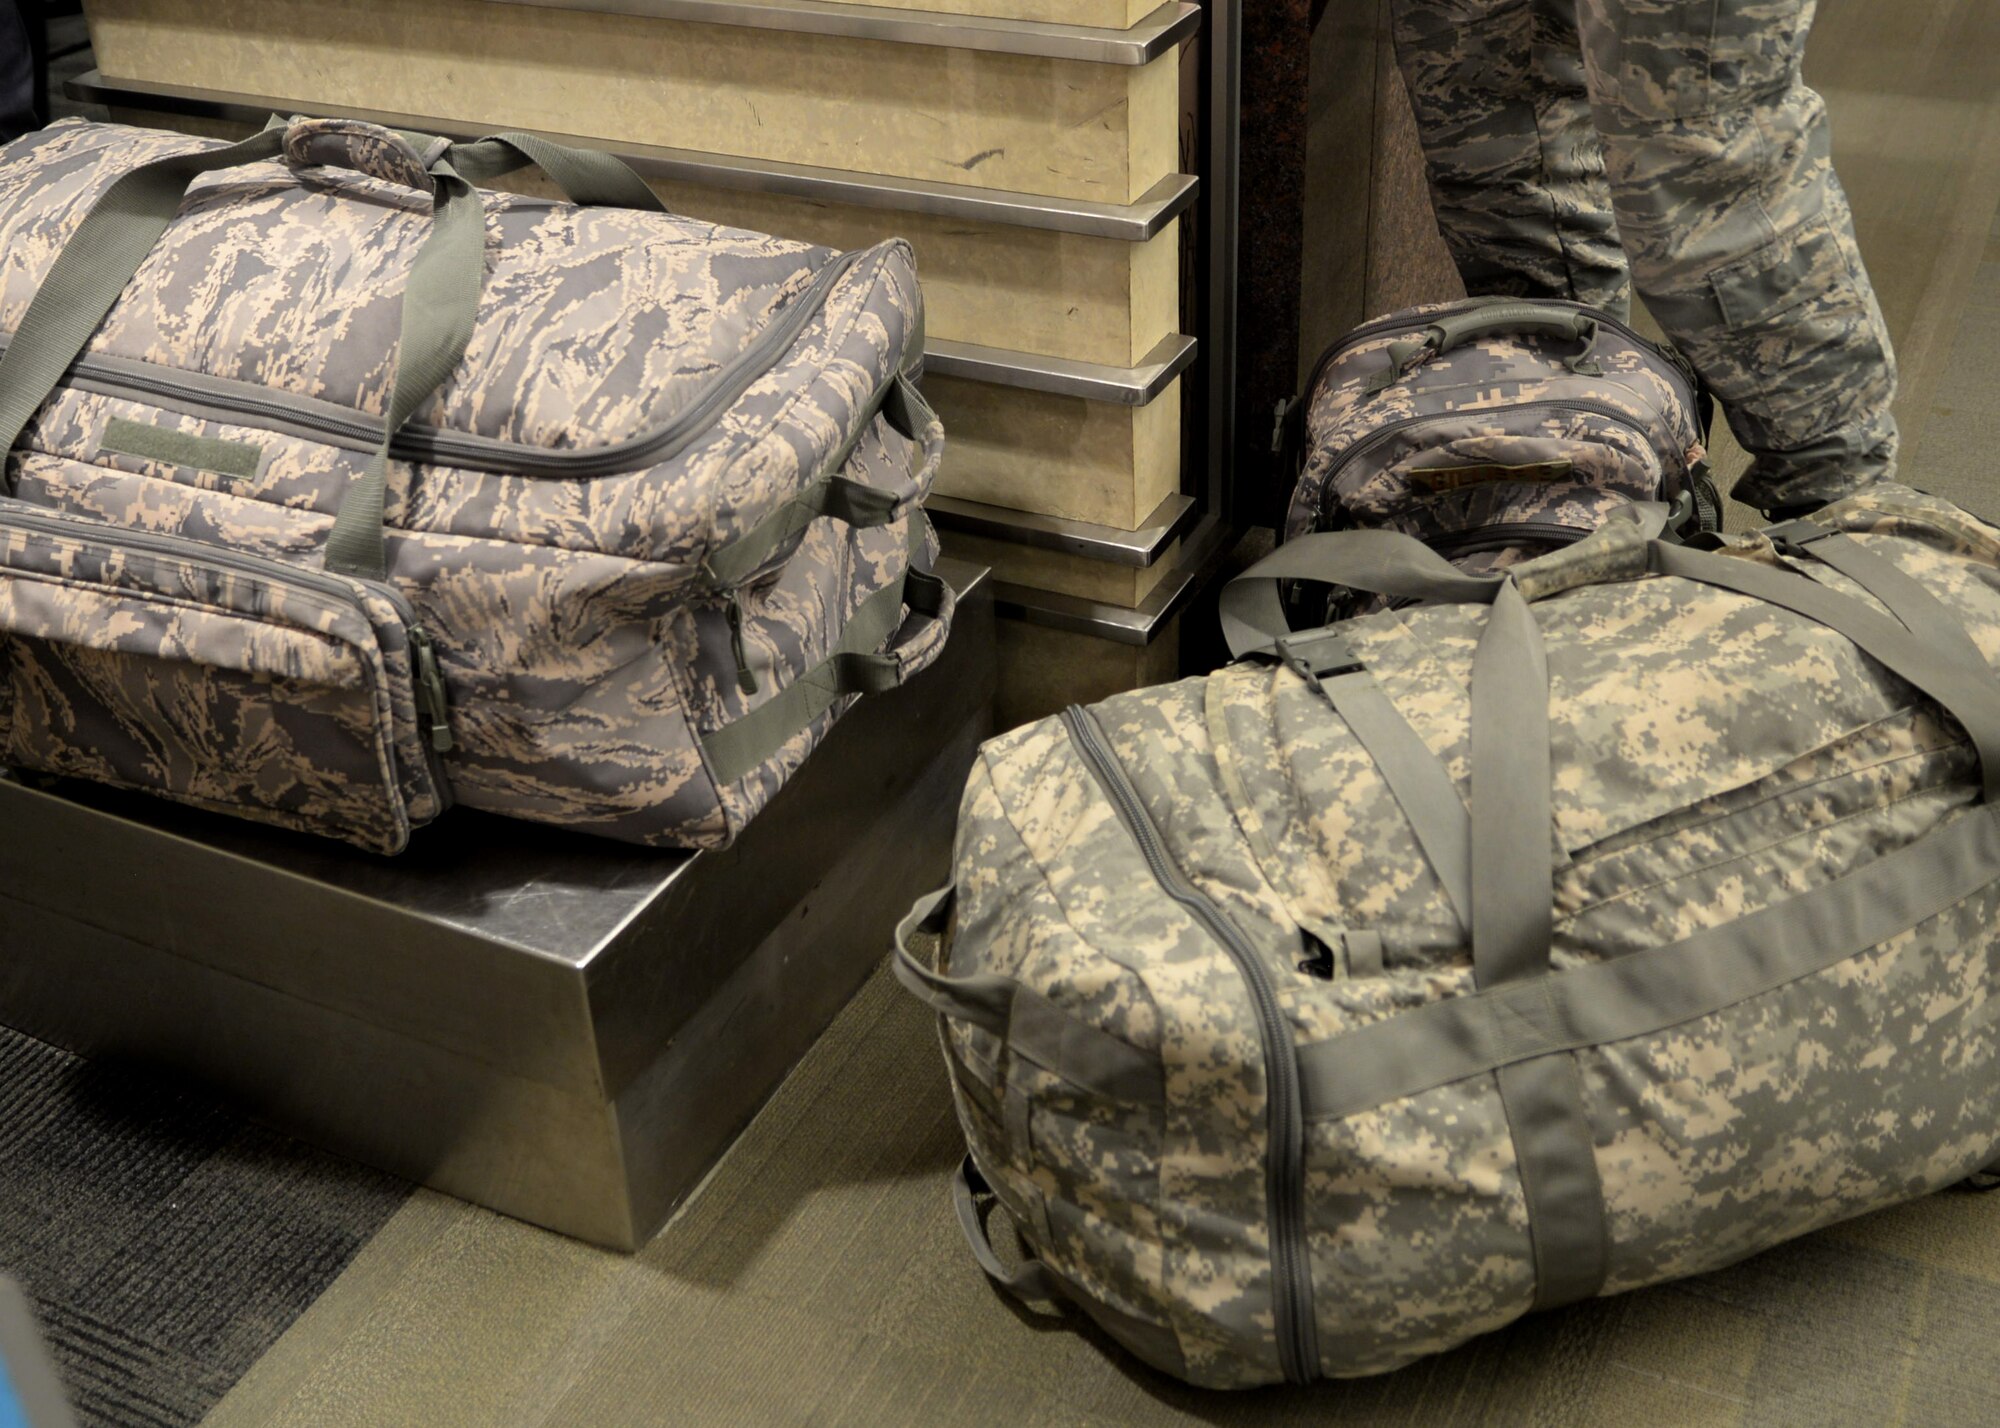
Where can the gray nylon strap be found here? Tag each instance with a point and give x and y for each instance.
(1034, 1028)
(586, 176)
(1417, 781)
(1969, 695)
(440, 308)
(1513, 909)
(1513, 923)
(853, 667)
(1380, 562)
(1031, 1280)
(1475, 1035)
(855, 502)
(1919, 611)
(985, 1001)
(94, 268)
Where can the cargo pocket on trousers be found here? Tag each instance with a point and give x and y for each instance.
(1799, 341)
(1677, 59)
(224, 680)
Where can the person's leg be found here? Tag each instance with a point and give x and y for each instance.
(17, 74)
(1515, 173)
(1739, 235)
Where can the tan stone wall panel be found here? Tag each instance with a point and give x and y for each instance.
(1059, 127)
(1060, 456)
(1053, 294)
(1106, 14)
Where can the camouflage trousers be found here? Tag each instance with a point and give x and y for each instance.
(1579, 148)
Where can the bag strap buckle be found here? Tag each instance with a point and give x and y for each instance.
(1317, 655)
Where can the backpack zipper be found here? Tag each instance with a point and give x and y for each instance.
(1389, 429)
(1291, 1270)
(317, 420)
(429, 690)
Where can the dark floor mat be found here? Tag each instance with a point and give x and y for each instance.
(165, 1240)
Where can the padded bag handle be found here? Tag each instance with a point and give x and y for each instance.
(390, 155)
(1494, 319)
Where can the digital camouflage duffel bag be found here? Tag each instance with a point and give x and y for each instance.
(1497, 429)
(339, 489)
(1630, 914)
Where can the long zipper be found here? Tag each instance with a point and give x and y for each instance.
(1388, 429)
(428, 682)
(314, 419)
(1292, 1299)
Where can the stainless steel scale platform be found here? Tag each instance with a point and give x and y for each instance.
(566, 1030)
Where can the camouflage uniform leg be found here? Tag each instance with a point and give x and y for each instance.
(1740, 237)
(1516, 174)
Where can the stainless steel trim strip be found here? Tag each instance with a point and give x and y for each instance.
(1144, 42)
(1138, 625)
(1132, 222)
(1094, 381)
(1138, 549)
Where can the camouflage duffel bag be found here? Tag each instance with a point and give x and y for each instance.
(1620, 918)
(1495, 430)
(339, 489)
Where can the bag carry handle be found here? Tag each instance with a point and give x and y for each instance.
(1490, 320)
(586, 176)
(1032, 1282)
(440, 303)
(858, 664)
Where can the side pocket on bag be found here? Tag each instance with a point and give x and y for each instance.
(231, 682)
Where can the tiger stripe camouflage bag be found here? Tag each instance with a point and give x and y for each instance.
(1585, 927)
(1497, 429)
(339, 489)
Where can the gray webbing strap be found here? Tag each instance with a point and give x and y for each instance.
(1921, 612)
(1448, 1041)
(1513, 923)
(985, 1001)
(92, 270)
(1415, 776)
(1969, 695)
(1034, 1028)
(586, 176)
(440, 308)
(1513, 910)
(1380, 562)
(1031, 1280)
(854, 667)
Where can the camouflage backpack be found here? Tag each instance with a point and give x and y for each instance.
(1497, 429)
(1604, 922)
(338, 489)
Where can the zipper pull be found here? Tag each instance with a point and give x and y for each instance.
(745, 679)
(1318, 961)
(432, 702)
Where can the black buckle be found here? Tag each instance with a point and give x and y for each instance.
(1792, 537)
(1317, 655)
